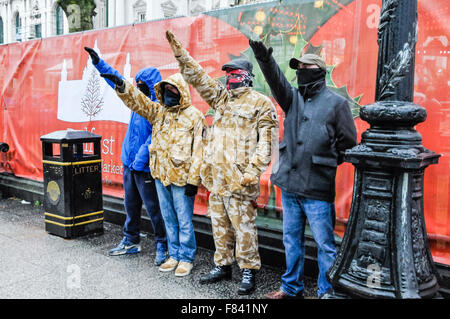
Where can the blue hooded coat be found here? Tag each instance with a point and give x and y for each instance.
(139, 133)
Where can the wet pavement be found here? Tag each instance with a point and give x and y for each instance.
(37, 265)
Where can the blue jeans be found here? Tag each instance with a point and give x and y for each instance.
(177, 210)
(321, 219)
(139, 187)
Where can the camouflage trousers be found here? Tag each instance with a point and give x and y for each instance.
(234, 231)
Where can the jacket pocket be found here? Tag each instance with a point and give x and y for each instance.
(248, 114)
(246, 136)
(326, 161)
(181, 148)
(233, 179)
(322, 174)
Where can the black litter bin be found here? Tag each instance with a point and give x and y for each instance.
(73, 201)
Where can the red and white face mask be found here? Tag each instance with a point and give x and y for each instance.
(237, 78)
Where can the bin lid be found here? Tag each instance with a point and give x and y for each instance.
(69, 135)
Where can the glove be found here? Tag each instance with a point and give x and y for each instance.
(191, 190)
(260, 50)
(119, 83)
(94, 56)
(248, 180)
(175, 45)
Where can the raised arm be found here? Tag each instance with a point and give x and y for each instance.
(102, 66)
(134, 99)
(279, 86)
(210, 90)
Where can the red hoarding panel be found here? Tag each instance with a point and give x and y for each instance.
(45, 84)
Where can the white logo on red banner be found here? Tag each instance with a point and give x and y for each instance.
(91, 98)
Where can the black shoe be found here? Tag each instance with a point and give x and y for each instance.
(216, 274)
(248, 282)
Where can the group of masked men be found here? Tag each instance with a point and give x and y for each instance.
(228, 159)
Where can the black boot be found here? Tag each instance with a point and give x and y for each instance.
(217, 274)
(248, 284)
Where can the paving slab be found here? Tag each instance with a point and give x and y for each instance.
(38, 265)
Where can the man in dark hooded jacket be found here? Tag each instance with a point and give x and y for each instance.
(318, 128)
(139, 186)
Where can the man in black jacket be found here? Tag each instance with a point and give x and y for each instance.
(318, 128)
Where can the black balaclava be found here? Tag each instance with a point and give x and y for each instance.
(170, 98)
(310, 81)
(143, 88)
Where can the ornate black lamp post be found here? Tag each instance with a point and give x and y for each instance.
(385, 251)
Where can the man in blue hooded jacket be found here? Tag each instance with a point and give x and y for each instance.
(138, 184)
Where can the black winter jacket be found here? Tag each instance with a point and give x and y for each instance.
(316, 133)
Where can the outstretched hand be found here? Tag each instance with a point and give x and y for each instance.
(261, 52)
(94, 56)
(113, 78)
(175, 45)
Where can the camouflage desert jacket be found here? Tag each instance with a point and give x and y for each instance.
(176, 150)
(243, 133)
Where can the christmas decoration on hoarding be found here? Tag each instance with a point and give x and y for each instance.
(287, 27)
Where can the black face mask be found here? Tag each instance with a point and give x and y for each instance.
(306, 76)
(232, 86)
(144, 88)
(310, 81)
(170, 98)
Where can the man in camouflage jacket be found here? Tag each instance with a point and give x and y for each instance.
(238, 151)
(176, 153)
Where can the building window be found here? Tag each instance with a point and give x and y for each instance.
(1, 30)
(38, 30)
(18, 27)
(100, 19)
(169, 8)
(139, 8)
(240, 2)
(59, 20)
